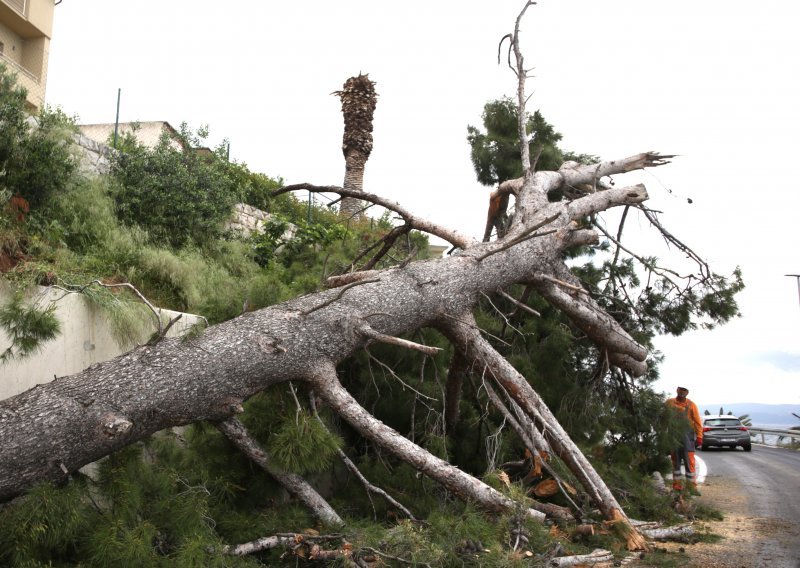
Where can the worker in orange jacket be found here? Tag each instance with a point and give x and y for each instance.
(692, 438)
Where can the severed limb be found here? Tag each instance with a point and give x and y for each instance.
(301, 545)
(369, 487)
(654, 531)
(415, 222)
(598, 556)
(463, 332)
(236, 432)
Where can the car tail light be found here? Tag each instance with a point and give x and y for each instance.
(742, 428)
(706, 429)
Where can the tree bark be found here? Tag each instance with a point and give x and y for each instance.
(54, 429)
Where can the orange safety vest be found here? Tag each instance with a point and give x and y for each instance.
(689, 409)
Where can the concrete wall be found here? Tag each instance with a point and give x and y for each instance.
(85, 339)
(147, 133)
(94, 156)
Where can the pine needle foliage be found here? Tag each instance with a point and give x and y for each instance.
(27, 326)
(303, 445)
(46, 525)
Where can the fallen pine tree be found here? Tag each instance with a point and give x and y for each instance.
(50, 432)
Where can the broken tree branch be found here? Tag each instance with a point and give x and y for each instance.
(367, 331)
(327, 386)
(236, 432)
(453, 237)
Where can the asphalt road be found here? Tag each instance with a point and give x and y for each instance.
(770, 479)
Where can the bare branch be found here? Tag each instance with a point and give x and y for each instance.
(522, 116)
(292, 541)
(326, 385)
(404, 384)
(519, 304)
(370, 488)
(556, 512)
(470, 342)
(451, 236)
(339, 295)
(367, 331)
(74, 288)
(529, 233)
(351, 278)
(506, 319)
(388, 243)
(567, 285)
(671, 239)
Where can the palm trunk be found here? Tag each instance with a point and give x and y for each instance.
(358, 105)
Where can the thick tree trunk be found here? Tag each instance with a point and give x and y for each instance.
(54, 429)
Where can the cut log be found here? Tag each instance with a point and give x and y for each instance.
(679, 533)
(593, 558)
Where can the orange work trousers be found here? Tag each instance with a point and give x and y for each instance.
(686, 458)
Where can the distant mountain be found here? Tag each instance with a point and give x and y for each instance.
(760, 414)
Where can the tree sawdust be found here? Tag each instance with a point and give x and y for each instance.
(747, 541)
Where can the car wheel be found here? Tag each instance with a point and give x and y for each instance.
(704, 447)
(747, 447)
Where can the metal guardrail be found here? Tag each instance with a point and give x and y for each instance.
(793, 435)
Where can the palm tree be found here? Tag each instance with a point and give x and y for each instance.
(359, 99)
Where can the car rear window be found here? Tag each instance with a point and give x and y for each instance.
(723, 422)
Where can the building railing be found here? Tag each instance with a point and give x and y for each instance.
(793, 435)
(19, 68)
(20, 6)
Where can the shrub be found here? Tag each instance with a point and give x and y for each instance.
(177, 194)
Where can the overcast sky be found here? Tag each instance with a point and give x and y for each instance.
(717, 82)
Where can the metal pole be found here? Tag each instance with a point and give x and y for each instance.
(796, 277)
(116, 123)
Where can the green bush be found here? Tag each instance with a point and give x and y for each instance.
(36, 156)
(179, 195)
